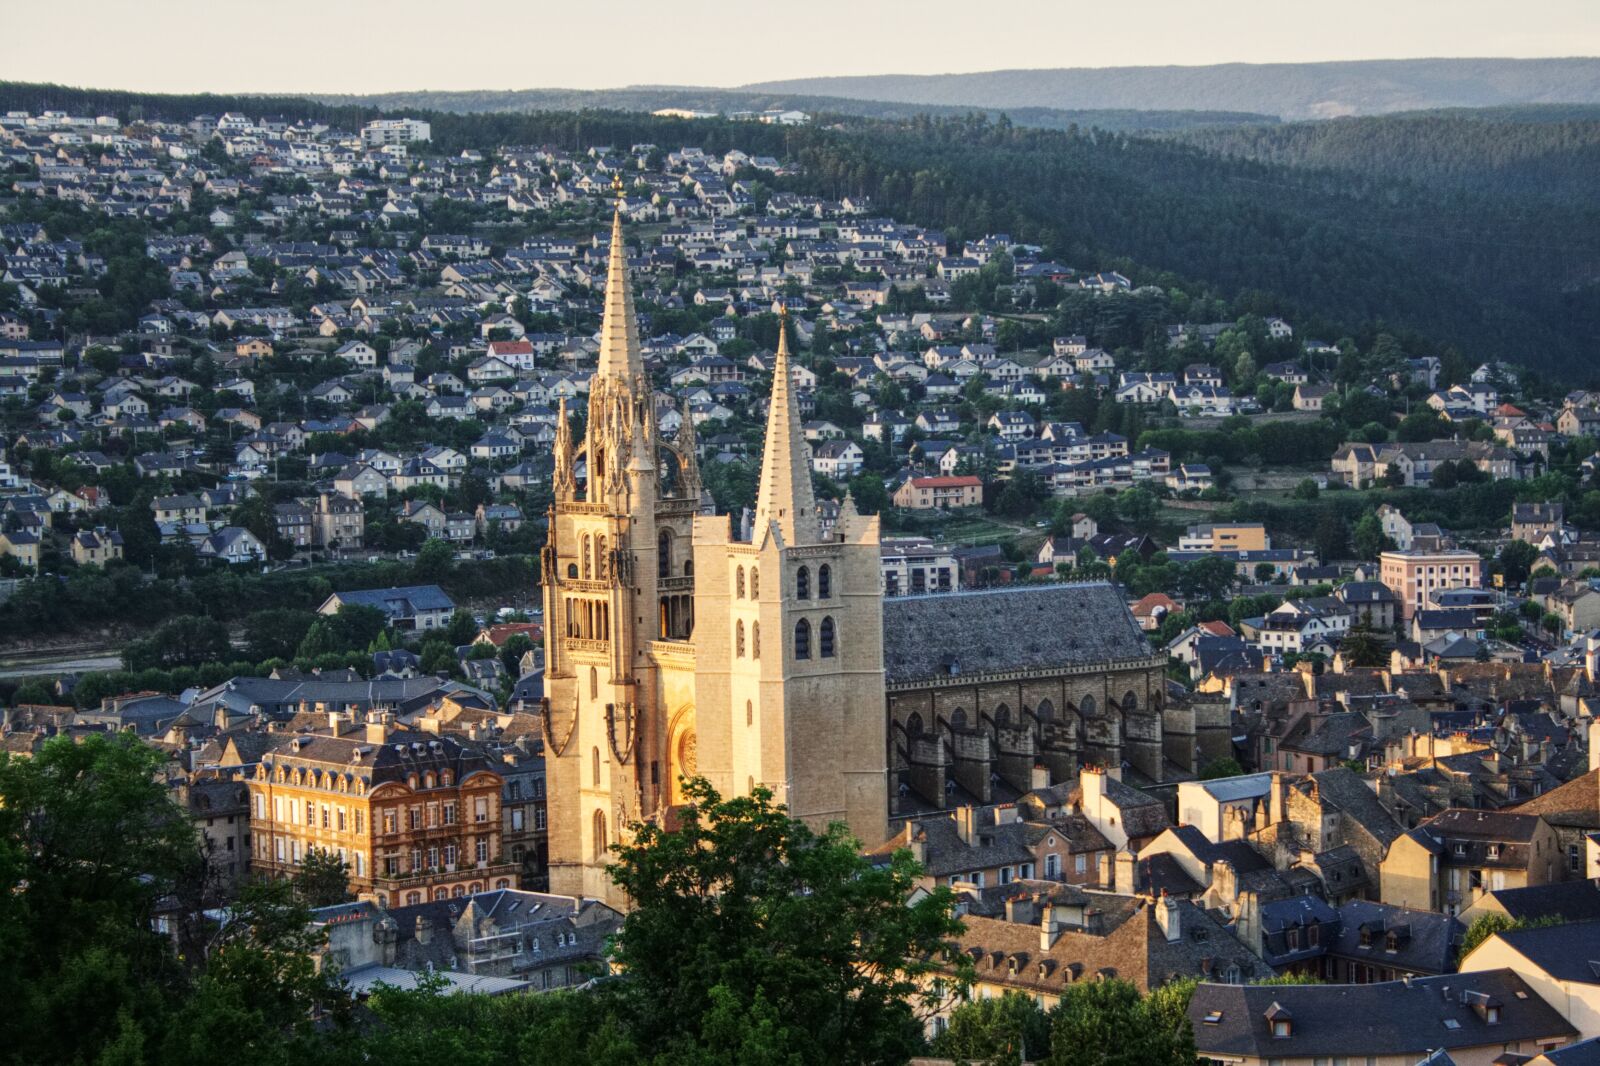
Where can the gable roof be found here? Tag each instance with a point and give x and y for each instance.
(996, 630)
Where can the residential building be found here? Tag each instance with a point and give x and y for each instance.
(940, 493)
(1414, 576)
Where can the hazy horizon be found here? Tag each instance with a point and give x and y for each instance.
(366, 47)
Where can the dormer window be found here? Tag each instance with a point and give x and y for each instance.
(1280, 1021)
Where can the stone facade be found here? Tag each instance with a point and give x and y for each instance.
(675, 649)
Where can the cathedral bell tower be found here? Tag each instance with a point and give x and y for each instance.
(617, 586)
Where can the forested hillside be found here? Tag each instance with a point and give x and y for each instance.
(1346, 250)
(651, 98)
(1288, 90)
(1540, 153)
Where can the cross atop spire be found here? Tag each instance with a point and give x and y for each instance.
(619, 328)
(784, 494)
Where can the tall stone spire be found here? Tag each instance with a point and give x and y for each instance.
(784, 495)
(619, 329)
(689, 454)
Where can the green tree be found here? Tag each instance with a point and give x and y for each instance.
(1361, 646)
(1487, 925)
(995, 1032)
(1223, 767)
(1516, 561)
(1305, 490)
(1107, 1023)
(434, 562)
(323, 878)
(91, 848)
(744, 910)
(462, 628)
(1368, 539)
(186, 641)
(276, 633)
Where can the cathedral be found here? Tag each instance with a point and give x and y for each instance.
(675, 648)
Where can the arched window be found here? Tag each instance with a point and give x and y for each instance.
(824, 581)
(594, 767)
(1087, 707)
(755, 640)
(738, 639)
(825, 638)
(572, 570)
(914, 725)
(600, 842)
(413, 898)
(738, 583)
(1130, 702)
(1046, 711)
(601, 560)
(588, 558)
(688, 568)
(755, 583)
(749, 712)
(664, 555)
(750, 785)
(802, 583)
(594, 683)
(1002, 716)
(958, 718)
(802, 639)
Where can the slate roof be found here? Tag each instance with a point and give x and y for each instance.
(1386, 1018)
(1575, 901)
(1136, 950)
(1565, 952)
(995, 630)
(1575, 804)
(1347, 791)
(1426, 941)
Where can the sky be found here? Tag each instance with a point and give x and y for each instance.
(369, 46)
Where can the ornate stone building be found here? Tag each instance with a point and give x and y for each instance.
(674, 647)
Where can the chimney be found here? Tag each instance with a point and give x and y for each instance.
(964, 823)
(1124, 881)
(1092, 783)
(1279, 798)
(1169, 918)
(1591, 656)
(1040, 778)
(424, 934)
(917, 842)
(1019, 909)
(377, 731)
(335, 721)
(1049, 928)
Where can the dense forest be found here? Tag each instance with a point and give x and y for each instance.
(1288, 90)
(1344, 252)
(1533, 153)
(651, 98)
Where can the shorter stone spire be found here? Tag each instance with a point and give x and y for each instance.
(562, 476)
(784, 495)
(689, 453)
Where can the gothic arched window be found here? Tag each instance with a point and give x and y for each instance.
(825, 638)
(600, 559)
(755, 583)
(594, 683)
(1130, 702)
(600, 842)
(914, 725)
(738, 639)
(802, 639)
(1046, 711)
(1002, 716)
(664, 555)
(802, 583)
(958, 718)
(588, 559)
(749, 712)
(824, 581)
(755, 640)
(738, 583)
(594, 767)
